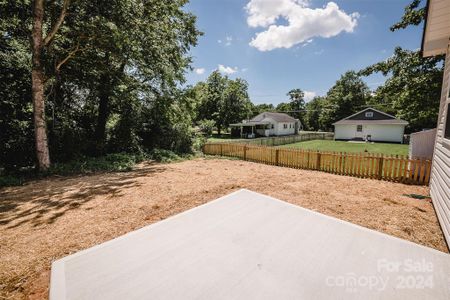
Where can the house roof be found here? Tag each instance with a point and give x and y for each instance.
(249, 124)
(436, 31)
(277, 117)
(380, 118)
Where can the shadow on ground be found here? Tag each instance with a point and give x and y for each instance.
(44, 201)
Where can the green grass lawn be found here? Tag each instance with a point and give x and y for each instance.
(340, 146)
(224, 137)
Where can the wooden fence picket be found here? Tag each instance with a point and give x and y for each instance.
(398, 168)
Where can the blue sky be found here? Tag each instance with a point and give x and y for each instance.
(278, 45)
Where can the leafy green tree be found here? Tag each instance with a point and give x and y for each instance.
(206, 126)
(297, 103)
(259, 108)
(414, 15)
(223, 100)
(101, 68)
(349, 95)
(413, 88)
(314, 110)
(236, 105)
(212, 98)
(284, 107)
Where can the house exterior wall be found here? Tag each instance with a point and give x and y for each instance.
(440, 173)
(344, 132)
(379, 133)
(280, 130)
(421, 144)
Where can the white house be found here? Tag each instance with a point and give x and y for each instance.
(371, 125)
(268, 124)
(436, 41)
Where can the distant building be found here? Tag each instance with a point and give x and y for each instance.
(370, 125)
(267, 124)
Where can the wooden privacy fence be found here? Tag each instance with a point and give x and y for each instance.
(366, 165)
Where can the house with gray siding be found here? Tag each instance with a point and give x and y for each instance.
(436, 37)
(370, 124)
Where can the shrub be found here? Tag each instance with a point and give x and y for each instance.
(111, 162)
(10, 180)
(206, 126)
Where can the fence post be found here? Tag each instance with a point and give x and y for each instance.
(277, 154)
(380, 167)
(221, 149)
(318, 161)
(245, 152)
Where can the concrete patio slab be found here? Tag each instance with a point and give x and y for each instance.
(250, 246)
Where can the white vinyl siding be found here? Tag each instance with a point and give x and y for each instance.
(378, 133)
(284, 128)
(438, 27)
(440, 174)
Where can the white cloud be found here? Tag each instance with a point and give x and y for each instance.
(228, 40)
(309, 95)
(304, 23)
(227, 70)
(199, 71)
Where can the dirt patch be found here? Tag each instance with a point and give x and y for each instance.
(49, 219)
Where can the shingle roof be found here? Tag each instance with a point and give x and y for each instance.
(375, 122)
(278, 117)
(390, 120)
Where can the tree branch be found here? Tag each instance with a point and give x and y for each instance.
(58, 23)
(69, 56)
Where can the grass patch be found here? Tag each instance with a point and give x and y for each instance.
(224, 137)
(341, 146)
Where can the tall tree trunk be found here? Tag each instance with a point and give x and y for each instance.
(102, 118)
(37, 81)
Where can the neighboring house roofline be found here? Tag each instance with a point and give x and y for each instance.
(371, 122)
(369, 108)
(277, 117)
(393, 119)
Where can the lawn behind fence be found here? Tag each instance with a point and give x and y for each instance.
(341, 146)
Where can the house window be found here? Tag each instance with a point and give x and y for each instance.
(272, 126)
(369, 114)
(447, 123)
(359, 128)
(284, 126)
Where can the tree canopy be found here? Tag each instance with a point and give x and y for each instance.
(223, 100)
(111, 75)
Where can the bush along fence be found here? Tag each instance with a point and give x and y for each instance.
(365, 165)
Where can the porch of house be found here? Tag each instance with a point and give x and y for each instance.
(251, 130)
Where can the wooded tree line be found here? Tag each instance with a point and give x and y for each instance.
(89, 78)
(93, 77)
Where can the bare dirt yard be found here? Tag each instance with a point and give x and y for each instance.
(48, 219)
